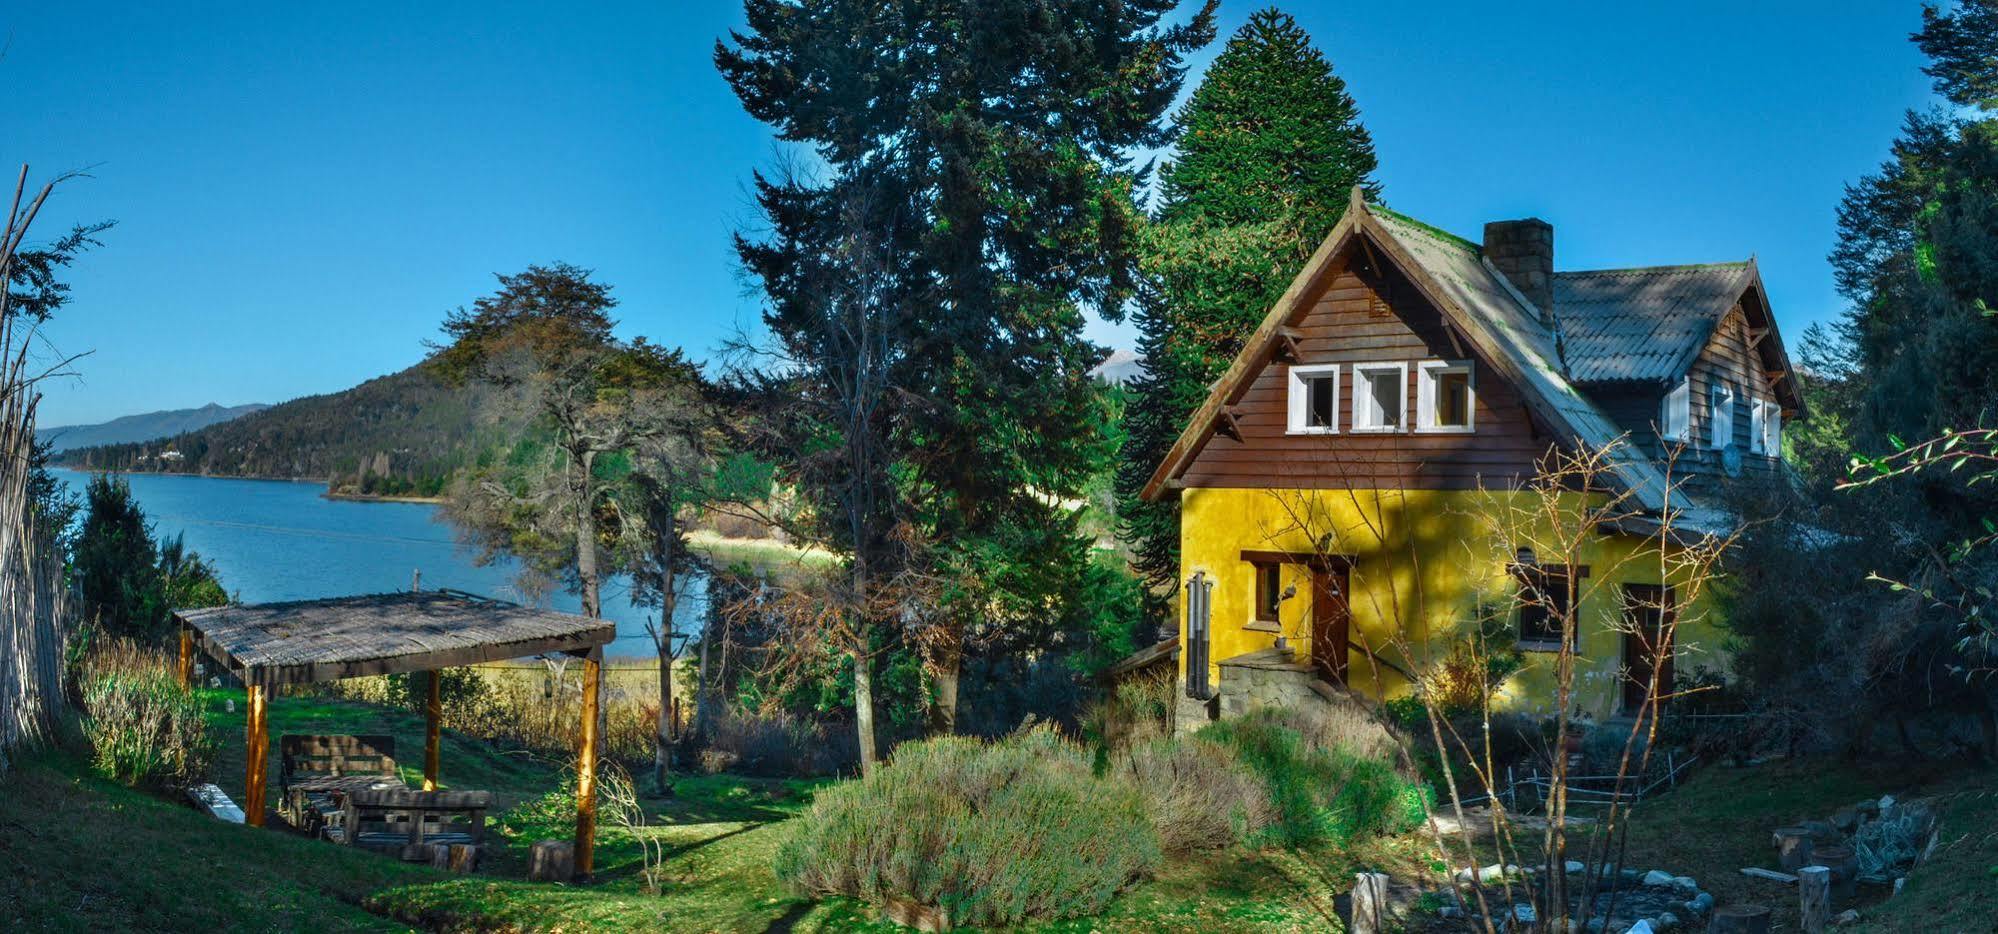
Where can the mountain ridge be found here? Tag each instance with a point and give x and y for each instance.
(144, 426)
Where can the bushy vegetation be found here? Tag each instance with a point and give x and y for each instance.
(129, 583)
(1198, 792)
(143, 728)
(1325, 784)
(995, 832)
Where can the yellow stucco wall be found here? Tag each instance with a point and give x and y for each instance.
(1422, 561)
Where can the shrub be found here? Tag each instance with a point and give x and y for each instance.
(1198, 793)
(776, 743)
(1137, 710)
(994, 833)
(144, 729)
(1319, 787)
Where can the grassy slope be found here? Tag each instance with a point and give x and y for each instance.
(82, 854)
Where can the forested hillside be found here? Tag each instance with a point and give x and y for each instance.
(144, 427)
(397, 435)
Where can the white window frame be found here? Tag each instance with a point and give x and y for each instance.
(1300, 399)
(1756, 439)
(1428, 374)
(1720, 430)
(1675, 413)
(1363, 390)
(1767, 428)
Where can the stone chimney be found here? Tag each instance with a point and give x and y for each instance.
(1524, 252)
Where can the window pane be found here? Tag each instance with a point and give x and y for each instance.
(1385, 388)
(1453, 399)
(1269, 591)
(1319, 391)
(1543, 605)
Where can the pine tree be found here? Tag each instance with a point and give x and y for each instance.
(975, 167)
(1271, 146)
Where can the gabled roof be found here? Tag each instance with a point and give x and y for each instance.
(1475, 300)
(1642, 324)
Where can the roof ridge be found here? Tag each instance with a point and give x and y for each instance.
(1668, 267)
(1425, 227)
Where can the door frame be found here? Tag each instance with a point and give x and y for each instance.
(1637, 648)
(1323, 568)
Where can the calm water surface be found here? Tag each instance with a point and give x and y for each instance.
(273, 540)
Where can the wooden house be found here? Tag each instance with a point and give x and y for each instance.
(1339, 485)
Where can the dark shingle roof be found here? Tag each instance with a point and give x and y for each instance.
(1621, 325)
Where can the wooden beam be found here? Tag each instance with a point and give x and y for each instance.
(1228, 425)
(1286, 347)
(186, 667)
(586, 768)
(433, 715)
(1755, 336)
(259, 741)
(1775, 376)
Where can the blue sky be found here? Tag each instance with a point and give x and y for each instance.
(303, 192)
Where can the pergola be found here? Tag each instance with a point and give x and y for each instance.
(272, 644)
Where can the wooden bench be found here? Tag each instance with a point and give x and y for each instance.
(315, 771)
(409, 823)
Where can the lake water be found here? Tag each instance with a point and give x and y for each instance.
(273, 540)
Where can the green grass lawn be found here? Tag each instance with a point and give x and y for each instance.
(90, 855)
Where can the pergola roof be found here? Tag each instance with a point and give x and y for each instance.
(378, 634)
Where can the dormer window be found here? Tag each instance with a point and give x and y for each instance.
(1380, 396)
(1314, 399)
(1675, 414)
(1720, 409)
(1444, 396)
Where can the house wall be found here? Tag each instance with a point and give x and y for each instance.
(1422, 560)
(1364, 317)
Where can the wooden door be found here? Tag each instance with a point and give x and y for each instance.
(1647, 615)
(1331, 621)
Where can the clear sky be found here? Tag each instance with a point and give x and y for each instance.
(303, 190)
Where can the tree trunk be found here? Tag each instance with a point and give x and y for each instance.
(863, 706)
(664, 541)
(583, 485)
(701, 675)
(946, 674)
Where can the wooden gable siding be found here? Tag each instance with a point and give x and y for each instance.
(1727, 357)
(1363, 317)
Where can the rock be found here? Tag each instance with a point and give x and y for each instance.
(1574, 867)
(1685, 885)
(1666, 921)
(1630, 875)
(1643, 926)
(1658, 877)
(1846, 820)
(1848, 916)
(1596, 925)
(1886, 803)
(1701, 903)
(1524, 916)
(1449, 911)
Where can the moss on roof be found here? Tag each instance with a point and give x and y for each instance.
(1434, 231)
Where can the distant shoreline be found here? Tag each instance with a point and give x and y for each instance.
(329, 493)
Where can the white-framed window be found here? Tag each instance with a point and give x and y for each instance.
(1314, 399)
(1675, 414)
(1445, 396)
(1720, 416)
(1765, 428)
(1380, 396)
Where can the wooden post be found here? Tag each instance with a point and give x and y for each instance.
(186, 668)
(1369, 903)
(259, 746)
(1740, 919)
(586, 767)
(1793, 848)
(1814, 898)
(1844, 864)
(433, 714)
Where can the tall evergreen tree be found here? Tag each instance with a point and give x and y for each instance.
(1271, 146)
(982, 148)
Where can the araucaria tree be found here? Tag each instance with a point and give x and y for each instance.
(975, 153)
(1270, 148)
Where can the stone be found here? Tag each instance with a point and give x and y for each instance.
(1686, 885)
(1643, 926)
(1573, 867)
(1630, 875)
(1596, 925)
(1848, 916)
(1658, 877)
(1449, 911)
(1666, 921)
(1701, 903)
(1886, 803)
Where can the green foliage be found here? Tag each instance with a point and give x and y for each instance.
(1271, 146)
(1320, 792)
(143, 728)
(128, 585)
(998, 833)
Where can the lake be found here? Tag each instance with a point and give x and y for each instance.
(274, 540)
